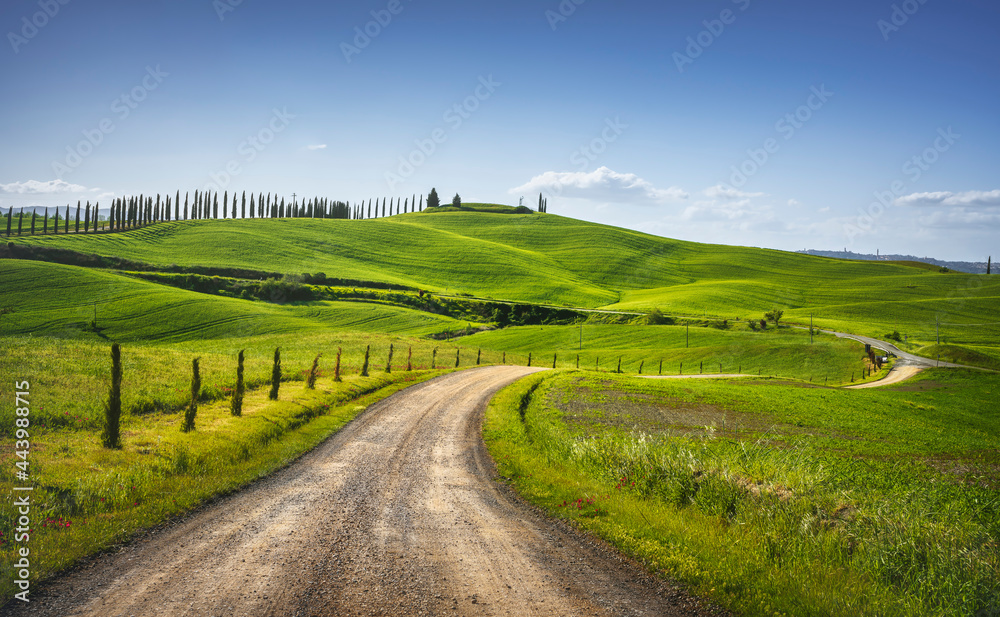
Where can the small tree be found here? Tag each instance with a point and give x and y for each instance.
(364, 367)
(311, 380)
(111, 437)
(989, 260)
(774, 315)
(479, 356)
(763, 324)
(434, 355)
(388, 365)
(456, 201)
(192, 409)
(433, 201)
(236, 407)
(275, 375)
(409, 359)
(336, 370)
(458, 358)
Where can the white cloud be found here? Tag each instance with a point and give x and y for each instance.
(602, 184)
(34, 187)
(316, 147)
(947, 198)
(728, 192)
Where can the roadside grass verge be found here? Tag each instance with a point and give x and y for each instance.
(88, 498)
(773, 499)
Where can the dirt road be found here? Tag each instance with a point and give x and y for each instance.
(395, 515)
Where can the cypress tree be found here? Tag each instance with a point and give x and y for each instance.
(421, 203)
(479, 356)
(236, 407)
(275, 375)
(111, 216)
(388, 365)
(20, 221)
(166, 210)
(336, 370)
(192, 409)
(456, 201)
(364, 367)
(34, 215)
(215, 207)
(311, 380)
(369, 208)
(554, 356)
(225, 203)
(185, 206)
(194, 205)
(383, 207)
(177, 206)
(243, 207)
(529, 358)
(432, 199)
(10, 219)
(409, 359)
(457, 357)
(434, 355)
(539, 202)
(989, 260)
(78, 215)
(251, 205)
(281, 209)
(45, 223)
(111, 438)
(156, 209)
(66, 218)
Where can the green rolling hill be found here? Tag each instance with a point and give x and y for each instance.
(542, 258)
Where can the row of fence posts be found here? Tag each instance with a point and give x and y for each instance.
(112, 439)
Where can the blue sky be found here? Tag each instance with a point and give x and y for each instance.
(860, 125)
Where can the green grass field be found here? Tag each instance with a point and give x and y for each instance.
(774, 499)
(808, 468)
(556, 260)
(785, 352)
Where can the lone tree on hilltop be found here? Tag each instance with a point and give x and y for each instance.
(456, 201)
(774, 315)
(433, 201)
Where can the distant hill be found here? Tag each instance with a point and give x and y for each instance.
(970, 267)
(554, 260)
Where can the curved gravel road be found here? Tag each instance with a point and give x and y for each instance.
(397, 514)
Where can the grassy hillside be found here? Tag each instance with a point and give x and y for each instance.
(551, 259)
(55, 300)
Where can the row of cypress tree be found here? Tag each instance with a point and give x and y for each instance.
(137, 211)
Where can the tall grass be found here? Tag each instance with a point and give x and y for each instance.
(761, 528)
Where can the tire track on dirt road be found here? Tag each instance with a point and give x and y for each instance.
(397, 514)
